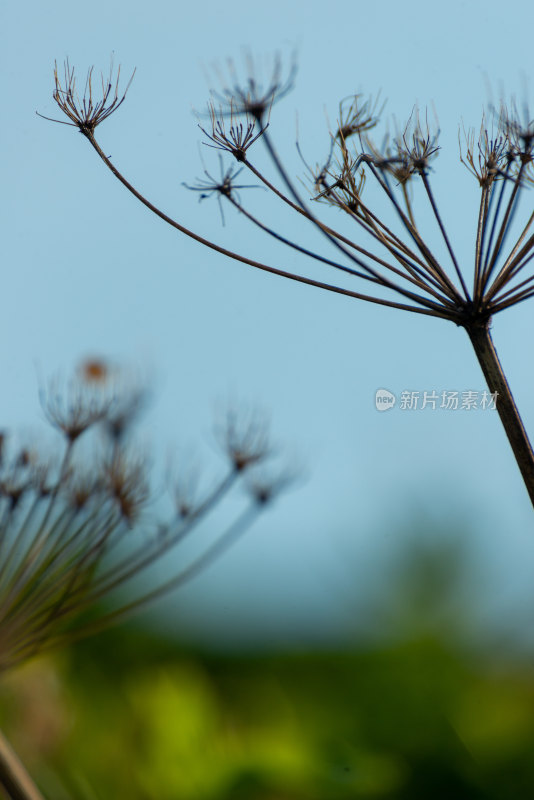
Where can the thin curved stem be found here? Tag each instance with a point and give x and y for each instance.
(208, 557)
(485, 199)
(429, 309)
(437, 215)
(491, 257)
(416, 271)
(336, 239)
(364, 276)
(369, 228)
(432, 262)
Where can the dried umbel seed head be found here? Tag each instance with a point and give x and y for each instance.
(357, 116)
(225, 187)
(264, 485)
(94, 106)
(99, 394)
(253, 96)
(487, 159)
(124, 477)
(388, 159)
(417, 144)
(342, 188)
(518, 126)
(124, 409)
(17, 474)
(74, 533)
(244, 438)
(73, 410)
(185, 488)
(82, 488)
(406, 154)
(240, 135)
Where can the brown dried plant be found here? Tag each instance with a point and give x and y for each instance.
(392, 256)
(75, 529)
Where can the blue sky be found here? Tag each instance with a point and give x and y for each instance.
(88, 271)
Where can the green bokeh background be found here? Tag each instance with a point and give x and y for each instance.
(422, 713)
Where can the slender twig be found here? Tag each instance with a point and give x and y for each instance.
(14, 778)
(428, 189)
(430, 308)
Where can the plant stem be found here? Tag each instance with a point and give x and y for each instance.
(14, 779)
(495, 378)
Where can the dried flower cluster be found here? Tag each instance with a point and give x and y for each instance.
(75, 529)
(86, 112)
(388, 251)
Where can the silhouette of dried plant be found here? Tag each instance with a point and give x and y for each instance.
(75, 529)
(389, 253)
(71, 534)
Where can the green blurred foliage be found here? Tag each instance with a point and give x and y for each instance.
(413, 720)
(132, 715)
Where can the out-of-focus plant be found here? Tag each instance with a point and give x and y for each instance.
(423, 711)
(75, 529)
(391, 256)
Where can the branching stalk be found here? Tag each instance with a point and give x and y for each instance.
(408, 268)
